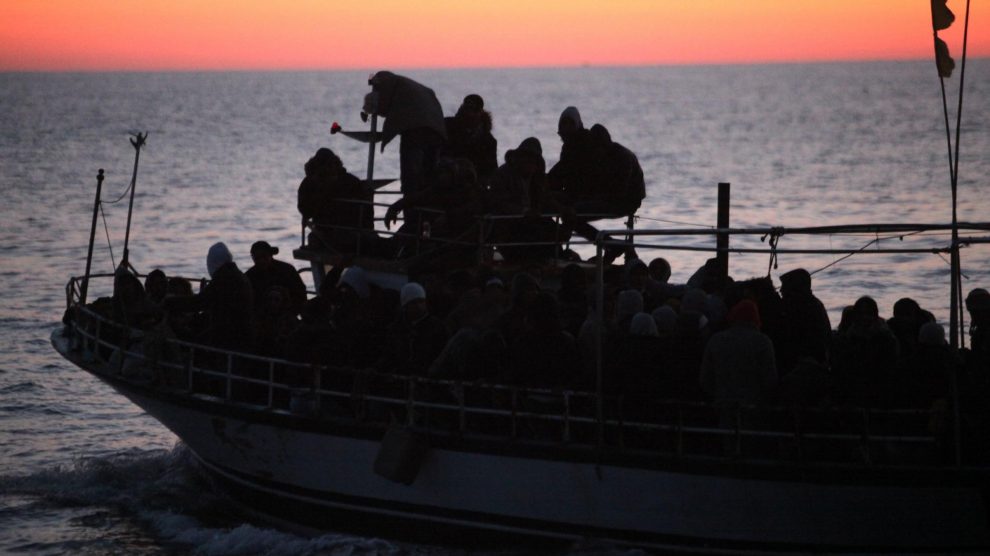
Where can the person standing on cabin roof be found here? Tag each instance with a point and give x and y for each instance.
(413, 113)
(469, 135)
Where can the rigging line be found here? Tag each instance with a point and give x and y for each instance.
(674, 222)
(107, 230)
(948, 262)
(877, 240)
(122, 195)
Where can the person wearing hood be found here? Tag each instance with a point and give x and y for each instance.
(469, 135)
(805, 330)
(570, 174)
(413, 113)
(519, 188)
(611, 186)
(227, 302)
(865, 355)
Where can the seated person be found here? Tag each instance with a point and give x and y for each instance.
(518, 188)
(269, 272)
(337, 202)
(469, 135)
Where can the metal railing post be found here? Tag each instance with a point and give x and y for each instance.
(230, 364)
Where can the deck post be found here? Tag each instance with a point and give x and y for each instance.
(92, 237)
(722, 239)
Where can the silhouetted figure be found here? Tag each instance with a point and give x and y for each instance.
(268, 273)
(573, 298)
(413, 113)
(415, 338)
(544, 355)
(277, 321)
(637, 368)
(572, 172)
(131, 305)
(863, 359)
(469, 135)
(906, 323)
(156, 286)
(338, 204)
(805, 330)
(612, 187)
(739, 364)
(518, 188)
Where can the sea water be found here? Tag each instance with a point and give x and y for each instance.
(84, 471)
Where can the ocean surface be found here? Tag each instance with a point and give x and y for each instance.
(82, 471)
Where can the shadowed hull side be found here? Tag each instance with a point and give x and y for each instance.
(324, 478)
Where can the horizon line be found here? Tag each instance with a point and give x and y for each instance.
(588, 65)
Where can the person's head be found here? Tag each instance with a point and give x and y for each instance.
(179, 286)
(978, 305)
(156, 285)
(628, 303)
(636, 274)
(569, 124)
(931, 334)
(412, 298)
(325, 163)
(907, 309)
(217, 256)
(666, 320)
(659, 270)
(795, 282)
(473, 114)
(126, 287)
(866, 311)
(745, 312)
(643, 324)
(354, 281)
(601, 139)
(527, 158)
(262, 254)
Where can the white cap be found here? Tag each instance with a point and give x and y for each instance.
(411, 292)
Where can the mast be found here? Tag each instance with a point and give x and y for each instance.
(92, 237)
(137, 141)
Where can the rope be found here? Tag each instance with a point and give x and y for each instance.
(873, 241)
(122, 195)
(775, 235)
(107, 230)
(679, 223)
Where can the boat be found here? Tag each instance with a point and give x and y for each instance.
(419, 457)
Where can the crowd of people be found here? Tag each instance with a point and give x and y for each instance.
(450, 176)
(734, 342)
(644, 338)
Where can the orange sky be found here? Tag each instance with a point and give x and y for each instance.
(327, 34)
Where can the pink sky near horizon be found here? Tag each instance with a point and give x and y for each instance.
(67, 35)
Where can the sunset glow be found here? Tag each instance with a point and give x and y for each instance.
(327, 34)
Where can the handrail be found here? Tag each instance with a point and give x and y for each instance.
(561, 412)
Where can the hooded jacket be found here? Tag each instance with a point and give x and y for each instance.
(405, 105)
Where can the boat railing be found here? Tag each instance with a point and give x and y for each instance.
(478, 411)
